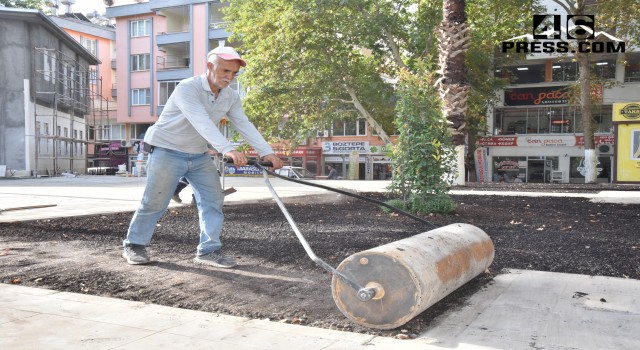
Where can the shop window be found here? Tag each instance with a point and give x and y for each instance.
(577, 170)
(508, 169)
(632, 68)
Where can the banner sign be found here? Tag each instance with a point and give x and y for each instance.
(482, 165)
(537, 96)
(243, 170)
(542, 140)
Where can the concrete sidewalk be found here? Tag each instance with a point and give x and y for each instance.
(518, 310)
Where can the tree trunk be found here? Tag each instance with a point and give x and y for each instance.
(590, 156)
(453, 86)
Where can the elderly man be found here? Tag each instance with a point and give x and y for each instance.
(177, 144)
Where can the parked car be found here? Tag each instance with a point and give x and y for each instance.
(295, 172)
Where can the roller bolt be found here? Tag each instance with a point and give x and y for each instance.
(366, 294)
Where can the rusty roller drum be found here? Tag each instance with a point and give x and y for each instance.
(412, 274)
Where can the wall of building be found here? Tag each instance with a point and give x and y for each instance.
(16, 65)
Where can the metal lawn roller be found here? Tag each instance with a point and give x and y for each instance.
(387, 286)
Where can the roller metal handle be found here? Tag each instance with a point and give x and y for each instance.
(227, 160)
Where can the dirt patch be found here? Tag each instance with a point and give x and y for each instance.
(277, 281)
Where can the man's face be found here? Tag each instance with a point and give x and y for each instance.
(222, 73)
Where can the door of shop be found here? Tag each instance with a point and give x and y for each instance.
(535, 170)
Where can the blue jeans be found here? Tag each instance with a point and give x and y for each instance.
(164, 169)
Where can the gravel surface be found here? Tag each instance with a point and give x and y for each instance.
(277, 281)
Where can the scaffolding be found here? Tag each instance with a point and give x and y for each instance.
(64, 94)
(99, 128)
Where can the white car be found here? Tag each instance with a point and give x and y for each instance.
(295, 172)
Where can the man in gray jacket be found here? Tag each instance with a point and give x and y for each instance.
(177, 143)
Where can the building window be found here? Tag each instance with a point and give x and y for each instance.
(564, 71)
(140, 97)
(604, 69)
(351, 127)
(522, 74)
(118, 132)
(138, 131)
(166, 89)
(93, 76)
(90, 45)
(140, 62)
(632, 68)
(140, 28)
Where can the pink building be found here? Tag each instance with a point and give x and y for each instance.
(161, 42)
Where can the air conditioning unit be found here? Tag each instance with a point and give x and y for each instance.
(323, 133)
(604, 150)
(126, 143)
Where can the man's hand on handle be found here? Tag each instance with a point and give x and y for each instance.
(277, 162)
(238, 158)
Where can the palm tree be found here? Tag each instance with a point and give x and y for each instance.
(454, 89)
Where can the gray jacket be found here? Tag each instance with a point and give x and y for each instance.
(188, 121)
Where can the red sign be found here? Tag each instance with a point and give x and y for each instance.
(498, 141)
(599, 139)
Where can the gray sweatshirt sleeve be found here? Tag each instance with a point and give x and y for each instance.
(247, 129)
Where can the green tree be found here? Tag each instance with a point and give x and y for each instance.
(305, 71)
(25, 4)
(312, 62)
(618, 18)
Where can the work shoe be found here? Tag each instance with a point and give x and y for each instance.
(216, 259)
(176, 197)
(136, 254)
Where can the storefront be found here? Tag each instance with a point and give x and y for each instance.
(543, 158)
(372, 161)
(627, 130)
(537, 137)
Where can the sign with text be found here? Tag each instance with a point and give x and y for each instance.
(626, 112)
(537, 96)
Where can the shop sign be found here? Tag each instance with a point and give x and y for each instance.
(345, 147)
(507, 165)
(625, 112)
(498, 141)
(608, 139)
(113, 146)
(243, 170)
(537, 96)
(381, 159)
(535, 141)
(482, 164)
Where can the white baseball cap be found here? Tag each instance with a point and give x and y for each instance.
(226, 53)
